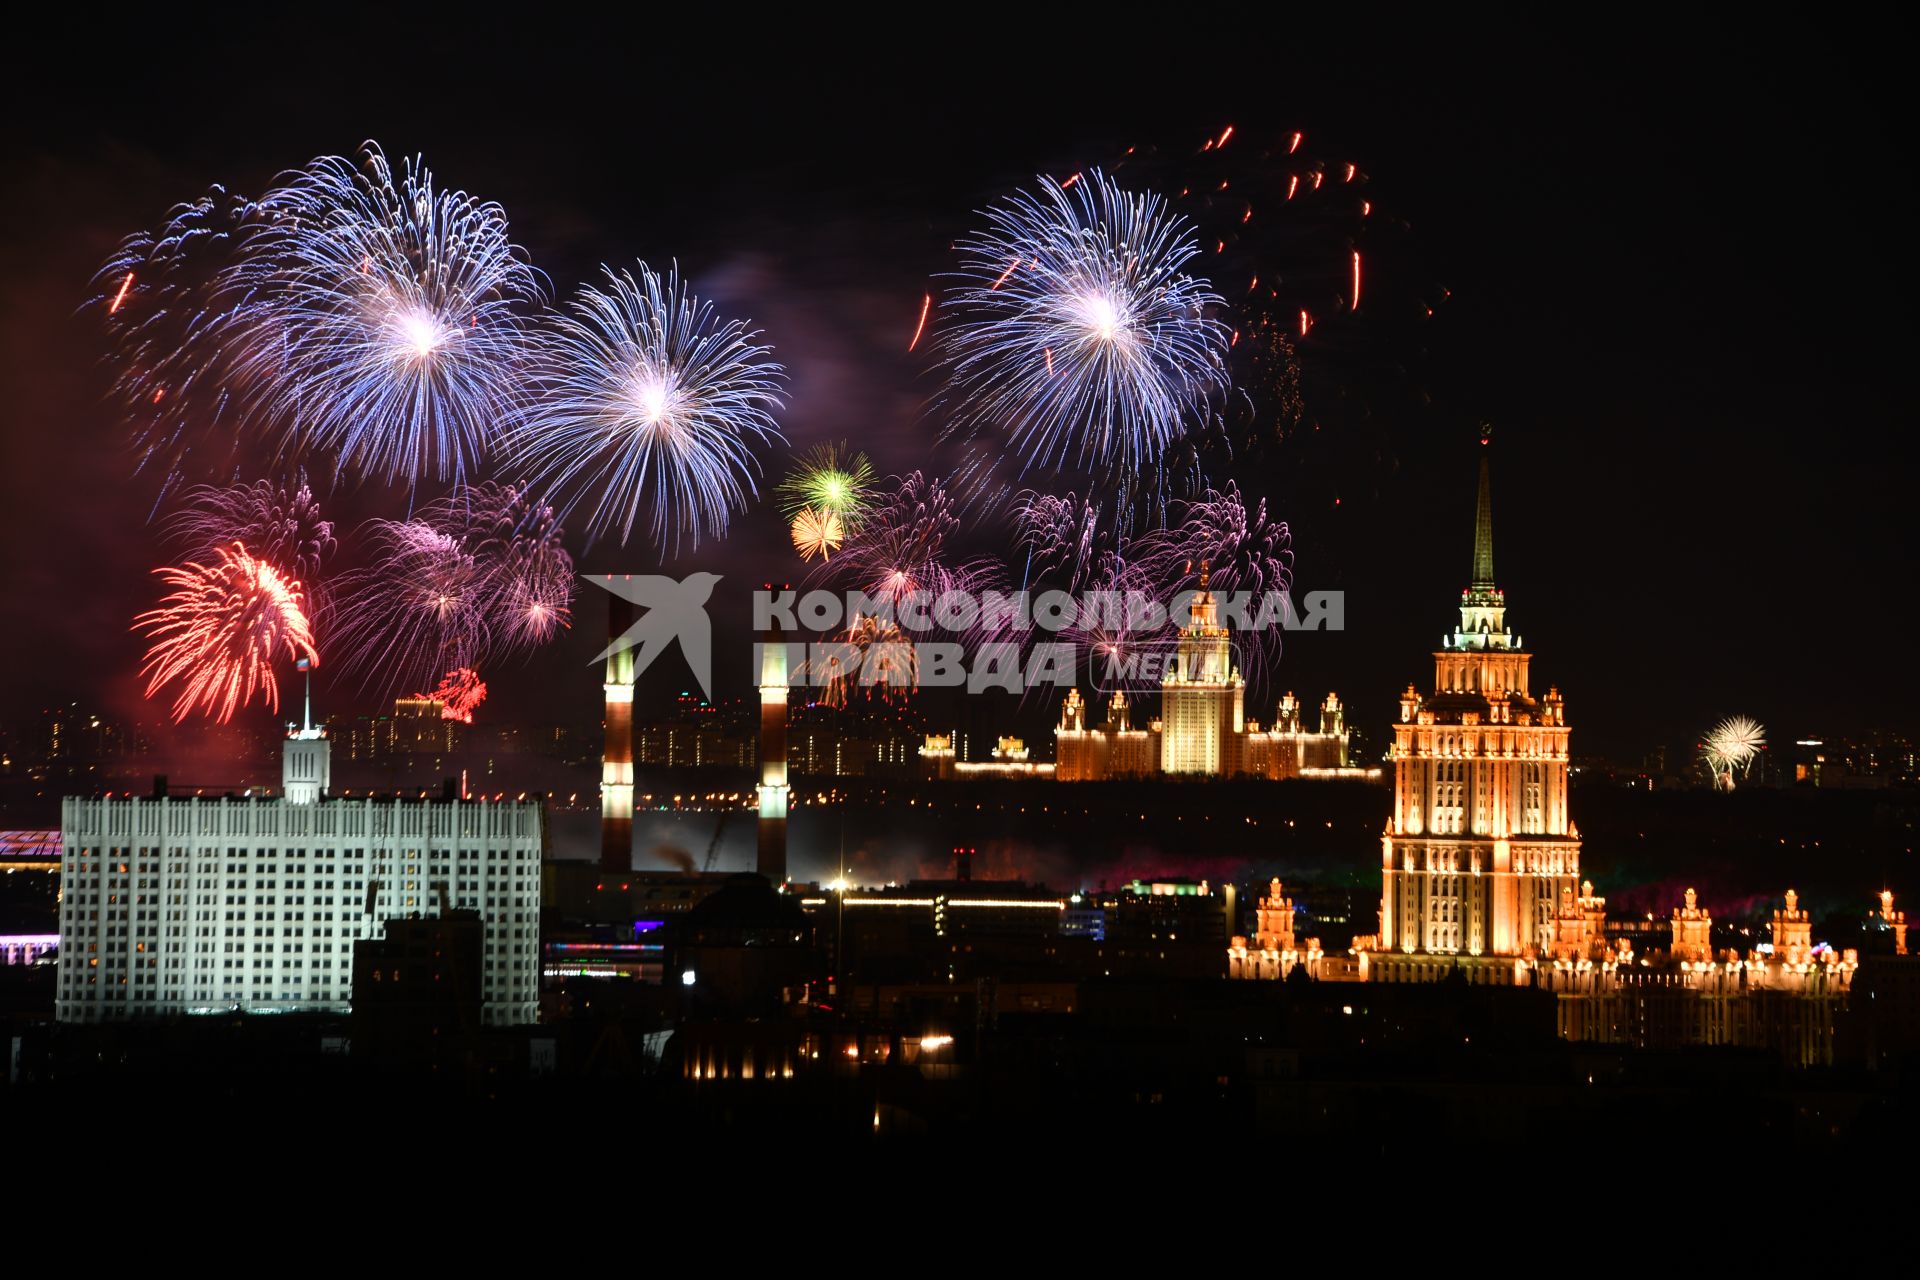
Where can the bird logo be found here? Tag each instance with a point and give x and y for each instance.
(674, 610)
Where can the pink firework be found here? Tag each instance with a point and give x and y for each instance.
(219, 630)
(901, 548)
(418, 607)
(526, 573)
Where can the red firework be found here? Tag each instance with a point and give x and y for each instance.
(458, 693)
(219, 631)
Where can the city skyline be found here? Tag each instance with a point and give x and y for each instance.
(1623, 493)
(1158, 583)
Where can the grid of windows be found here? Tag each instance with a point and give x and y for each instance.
(204, 906)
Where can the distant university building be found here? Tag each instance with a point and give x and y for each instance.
(253, 904)
(1202, 729)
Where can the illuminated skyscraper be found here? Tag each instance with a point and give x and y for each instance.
(1479, 850)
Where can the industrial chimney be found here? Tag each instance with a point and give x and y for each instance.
(616, 757)
(773, 751)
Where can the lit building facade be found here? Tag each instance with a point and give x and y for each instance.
(253, 905)
(1202, 696)
(1480, 878)
(1202, 730)
(1479, 848)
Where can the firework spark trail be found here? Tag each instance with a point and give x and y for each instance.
(830, 479)
(381, 319)
(1730, 749)
(282, 523)
(926, 308)
(651, 401)
(219, 631)
(1099, 349)
(526, 575)
(459, 693)
(1244, 551)
(416, 608)
(166, 315)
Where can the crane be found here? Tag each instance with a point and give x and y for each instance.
(713, 845)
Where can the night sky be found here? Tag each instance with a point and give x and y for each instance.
(1680, 291)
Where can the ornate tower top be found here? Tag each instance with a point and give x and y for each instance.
(1483, 606)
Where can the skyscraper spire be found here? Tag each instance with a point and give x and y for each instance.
(1483, 606)
(1483, 525)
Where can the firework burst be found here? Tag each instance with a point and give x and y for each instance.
(525, 572)
(829, 479)
(651, 404)
(280, 522)
(902, 549)
(1061, 536)
(1075, 336)
(381, 319)
(1730, 749)
(1243, 551)
(416, 608)
(161, 301)
(218, 632)
(458, 693)
(1324, 346)
(875, 658)
(816, 533)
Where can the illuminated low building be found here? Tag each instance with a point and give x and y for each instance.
(254, 904)
(1272, 952)
(1788, 999)
(1284, 749)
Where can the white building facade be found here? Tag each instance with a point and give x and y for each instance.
(252, 904)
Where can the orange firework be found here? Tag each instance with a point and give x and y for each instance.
(219, 630)
(816, 533)
(876, 658)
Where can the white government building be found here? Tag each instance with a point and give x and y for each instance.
(177, 905)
